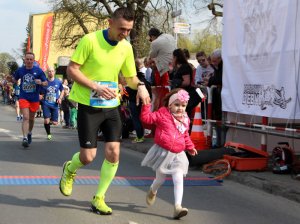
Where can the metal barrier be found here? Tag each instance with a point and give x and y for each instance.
(262, 128)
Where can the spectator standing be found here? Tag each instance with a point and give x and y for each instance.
(135, 110)
(73, 115)
(204, 70)
(216, 81)
(162, 46)
(182, 78)
(187, 56)
(140, 66)
(65, 104)
(148, 70)
(16, 87)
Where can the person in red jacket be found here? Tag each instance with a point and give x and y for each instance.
(167, 156)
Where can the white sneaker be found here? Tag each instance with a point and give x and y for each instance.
(150, 198)
(179, 212)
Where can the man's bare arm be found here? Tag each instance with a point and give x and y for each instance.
(75, 74)
(142, 94)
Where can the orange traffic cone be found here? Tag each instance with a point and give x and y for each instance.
(197, 134)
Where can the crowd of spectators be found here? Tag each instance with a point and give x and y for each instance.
(167, 67)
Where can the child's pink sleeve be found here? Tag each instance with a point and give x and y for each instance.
(147, 116)
(188, 141)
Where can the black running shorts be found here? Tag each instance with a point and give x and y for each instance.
(91, 119)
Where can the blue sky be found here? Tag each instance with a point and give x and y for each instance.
(14, 20)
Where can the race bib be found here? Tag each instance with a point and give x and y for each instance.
(98, 101)
(51, 97)
(29, 87)
(17, 92)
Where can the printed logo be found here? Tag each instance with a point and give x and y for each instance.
(28, 85)
(264, 96)
(51, 89)
(28, 78)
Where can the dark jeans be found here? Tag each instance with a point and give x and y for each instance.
(67, 117)
(221, 131)
(135, 114)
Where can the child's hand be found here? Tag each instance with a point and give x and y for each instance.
(193, 152)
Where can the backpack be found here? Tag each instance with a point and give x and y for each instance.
(283, 158)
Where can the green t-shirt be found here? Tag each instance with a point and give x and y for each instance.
(102, 63)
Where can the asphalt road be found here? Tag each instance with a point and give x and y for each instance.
(39, 200)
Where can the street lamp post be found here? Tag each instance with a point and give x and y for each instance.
(175, 15)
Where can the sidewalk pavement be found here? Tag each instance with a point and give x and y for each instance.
(277, 184)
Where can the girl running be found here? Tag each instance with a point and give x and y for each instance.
(167, 155)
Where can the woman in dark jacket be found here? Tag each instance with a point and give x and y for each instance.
(182, 78)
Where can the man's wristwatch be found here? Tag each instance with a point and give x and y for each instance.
(140, 84)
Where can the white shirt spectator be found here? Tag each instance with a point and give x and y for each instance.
(203, 73)
(148, 74)
(143, 70)
(162, 52)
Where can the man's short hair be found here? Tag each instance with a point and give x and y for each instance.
(124, 13)
(200, 54)
(30, 53)
(154, 32)
(50, 68)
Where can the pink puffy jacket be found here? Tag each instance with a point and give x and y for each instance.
(166, 134)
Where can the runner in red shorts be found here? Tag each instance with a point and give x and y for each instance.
(32, 78)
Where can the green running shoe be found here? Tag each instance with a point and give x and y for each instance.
(66, 180)
(99, 206)
(49, 137)
(138, 140)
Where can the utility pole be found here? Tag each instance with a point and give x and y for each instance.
(175, 15)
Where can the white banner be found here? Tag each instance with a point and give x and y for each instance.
(260, 52)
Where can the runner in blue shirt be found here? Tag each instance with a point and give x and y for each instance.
(32, 78)
(51, 98)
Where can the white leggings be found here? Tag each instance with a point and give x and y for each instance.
(177, 181)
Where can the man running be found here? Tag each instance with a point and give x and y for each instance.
(32, 78)
(94, 67)
(52, 95)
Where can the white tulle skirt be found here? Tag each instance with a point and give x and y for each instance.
(166, 161)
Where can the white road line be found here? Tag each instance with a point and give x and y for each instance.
(9, 133)
(18, 136)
